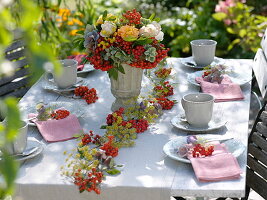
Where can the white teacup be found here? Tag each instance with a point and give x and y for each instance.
(198, 108)
(68, 76)
(203, 51)
(20, 142)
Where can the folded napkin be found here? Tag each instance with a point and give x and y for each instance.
(79, 59)
(59, 130)
(221, 165)
(224, 91)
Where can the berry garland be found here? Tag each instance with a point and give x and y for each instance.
(94, 157)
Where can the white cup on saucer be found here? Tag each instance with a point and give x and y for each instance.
(198, 108)
(203, 51)
(20, 142)
(68, 76)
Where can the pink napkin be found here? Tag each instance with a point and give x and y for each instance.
(59, 130)
(225, 91)
(79, 58)
(221, 165)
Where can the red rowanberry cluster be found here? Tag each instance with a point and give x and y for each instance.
(201, 151)
(89, 95)
(110, 118)
(124, 45)
(140, 125)
(91, 138)
(89, 183)
(165, 103)
(164, 89)
(133, 16)
(163, 72)
(109, 149)
(60, 114)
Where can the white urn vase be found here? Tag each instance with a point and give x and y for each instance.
(126, 87)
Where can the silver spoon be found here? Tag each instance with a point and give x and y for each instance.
(27, 152)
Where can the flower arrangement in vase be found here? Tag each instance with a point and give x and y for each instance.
(124, 46)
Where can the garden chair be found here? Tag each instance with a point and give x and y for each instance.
(17, 84)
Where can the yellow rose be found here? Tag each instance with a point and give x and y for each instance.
(128, 32)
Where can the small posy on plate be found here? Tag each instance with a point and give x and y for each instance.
(234, 146)
(238, 78)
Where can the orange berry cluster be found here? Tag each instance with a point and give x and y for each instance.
(201, 151)
(89, 183)
(133, 16)
(89, 95)
(109, 149)
(165, 103)
(60, 114)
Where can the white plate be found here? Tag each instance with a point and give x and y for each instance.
(75, 109)
(31, 142)
(238, 78)
(181, 123)
(234, 146)
(50, 85)
(189, 62)
(87, 68)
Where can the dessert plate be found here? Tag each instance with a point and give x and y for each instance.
(74, 109)
(181, 123)
(234, 146)
(189, 62)
(238, 78)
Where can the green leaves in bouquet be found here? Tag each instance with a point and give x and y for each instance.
(78, 42)
(143, 41)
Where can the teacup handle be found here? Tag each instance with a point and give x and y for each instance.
(183, 103)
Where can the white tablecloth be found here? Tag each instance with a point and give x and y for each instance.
(148, 173)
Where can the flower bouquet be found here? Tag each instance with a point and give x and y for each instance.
(126, 39)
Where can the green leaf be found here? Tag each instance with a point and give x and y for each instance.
(8, 168)
(113, 73)
(105, 15)
(234, 42)
(103, 127)
(242, 32)
(130, 39)
(152, 16)
(83, 61)
(113, 171)
(143, 42)
(157, 19)
(13, 118)
(121, 69)
(230, 30)
(219, 16)
(76, 135)
(80, 32)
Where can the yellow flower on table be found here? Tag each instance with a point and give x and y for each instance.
(128, 32)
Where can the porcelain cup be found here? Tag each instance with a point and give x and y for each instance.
(68, 76)
(203, 51)
(198, 108)
(20, 142)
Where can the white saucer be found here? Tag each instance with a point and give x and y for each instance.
(189, 62)
(181, 123)
(49, 84)
(87, 68)
(31, 142)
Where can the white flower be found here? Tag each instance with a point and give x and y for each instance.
(150, 30)
(160, 36)
(108, 28)
(7, 68)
